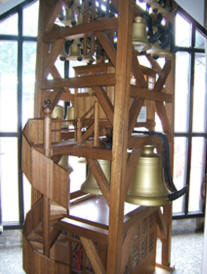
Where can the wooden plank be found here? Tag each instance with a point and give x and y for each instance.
(150, 94)
(82, 229)
(47, 177)
(107, 45)
(94, 68)
(105, 103)
(82, 151)
(139, 141)
(35, 262)
(93, 255)
(100, 178)
(67, 96)
(33, 131)
(69, 33)
(120, 136)
(166, 244)
(26, 158)
(80, 82)
(33, 218)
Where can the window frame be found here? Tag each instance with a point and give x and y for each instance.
(20, 39)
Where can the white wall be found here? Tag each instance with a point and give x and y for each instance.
(195, 8)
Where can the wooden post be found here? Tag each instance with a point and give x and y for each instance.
(96, 124)
(46, 201)
(120, 136)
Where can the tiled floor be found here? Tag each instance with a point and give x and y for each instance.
(187, 249)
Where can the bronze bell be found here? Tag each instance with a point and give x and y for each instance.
(68, 17)
(74, 52)
(148, 187)
(64, 163)
(71, 112)
(90, 185)
(139, 34)
(70, 116)
(157, 51)
(57, 112)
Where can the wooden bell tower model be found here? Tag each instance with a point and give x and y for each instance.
(107, 94)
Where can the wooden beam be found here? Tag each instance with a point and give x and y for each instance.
(133, 114)
(57, 46)
(80, 82)
(137, 71)
(105, 103)
(131, 166)
(161, 111)
(162, 229)
(93, 255)
(82, 151)
(163, 76)
(120, 136)
(147, 94)
(127, 245)
(94, 68)
(53, 13)
(107, 46)
(69, 33)
(100, 178)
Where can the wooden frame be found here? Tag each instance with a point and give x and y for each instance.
(111, 108)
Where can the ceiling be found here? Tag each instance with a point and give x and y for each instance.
(6, 5)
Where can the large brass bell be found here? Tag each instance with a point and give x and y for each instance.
(139, 34)
(90, 185)
(148, 187)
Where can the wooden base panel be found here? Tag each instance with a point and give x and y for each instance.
(36, 263)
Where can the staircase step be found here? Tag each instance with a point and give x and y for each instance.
(37, 246)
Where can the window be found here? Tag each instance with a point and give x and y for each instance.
(190, 116)
(18, 36)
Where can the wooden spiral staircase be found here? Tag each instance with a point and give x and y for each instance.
(58, 235)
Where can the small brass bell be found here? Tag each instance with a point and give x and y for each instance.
(71, 112)
(64, 163)
(90, 185)
(70, 115)
(68, 18)
(57, 112)
(148, 187)
(157, 51)
(139, 34)
(74, 52)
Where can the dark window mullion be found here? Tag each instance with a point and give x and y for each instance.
(190, 119)
(20, 74)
